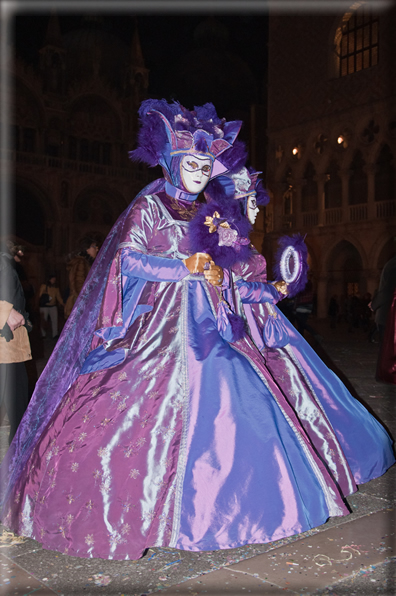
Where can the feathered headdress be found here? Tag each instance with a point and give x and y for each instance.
(170, 131)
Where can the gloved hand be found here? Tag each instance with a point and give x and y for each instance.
(214, 274)
(281, 286)
(196, 263)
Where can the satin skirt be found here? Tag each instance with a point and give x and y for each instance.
(190, 442)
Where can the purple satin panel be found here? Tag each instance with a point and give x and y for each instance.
(252, 292)
(275, 334)
(152, 268)
(351, 442)
(191, 442)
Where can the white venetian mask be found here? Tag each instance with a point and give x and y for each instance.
(195, 172)
(252, 209)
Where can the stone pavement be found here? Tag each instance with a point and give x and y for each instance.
(353, 555)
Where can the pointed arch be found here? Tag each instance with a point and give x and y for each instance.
(384, 175)
(309, 191)
(358, 189)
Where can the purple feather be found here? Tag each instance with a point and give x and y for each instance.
(297, 242)
(201, 240)
(237, 326)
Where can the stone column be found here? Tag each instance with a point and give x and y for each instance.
(371, 210)
(322, 296)
(344, 174)
(321, 180)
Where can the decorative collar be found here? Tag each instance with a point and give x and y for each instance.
(176, 193)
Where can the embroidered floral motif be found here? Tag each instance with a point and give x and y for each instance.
(122, 376)
(145, 419)
(95, 374)
(115, 539)
(105, 486)
(161, 483)
(89, 505)
(73, 407)
(26, 518)
(103, 451)
(133, 448)
(166, 432)
(174, 329)
(70, 498)
(86, 418)
(114, 395)
(42, 532)
(89, 540)
(126, 505)
(74, 466)
(82, 436)
(97, 474)
(95, 391)
(62, 531)
(69, 519)
(52, 484)
(72, 447)
(122, 405)
(105, 422)
(153, 394)
(125, 529)
(17, 497)
(51, 472)
(134, 474)
(148, 516)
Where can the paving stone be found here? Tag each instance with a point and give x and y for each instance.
(322, 559)
(15, 581)
(225, 581)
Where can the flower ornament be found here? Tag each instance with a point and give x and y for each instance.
(227, 235)
(215, 221)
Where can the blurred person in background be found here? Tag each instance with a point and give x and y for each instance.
(14, 340)
(78, 267)
(49, 299)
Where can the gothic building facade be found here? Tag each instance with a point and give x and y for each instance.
(73, 119)
(332, 144)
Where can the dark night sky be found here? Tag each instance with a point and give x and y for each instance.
(164, 39)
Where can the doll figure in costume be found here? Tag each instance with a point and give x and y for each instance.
(157, 421)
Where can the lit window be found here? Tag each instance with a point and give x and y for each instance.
(357, 41)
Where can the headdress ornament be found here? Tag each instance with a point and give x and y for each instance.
(170, 131)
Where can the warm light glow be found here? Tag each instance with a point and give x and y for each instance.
(295, 151)
(340, 140)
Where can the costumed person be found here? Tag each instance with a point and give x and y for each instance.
(14, 340)
(333, 419)
(49, 299)
(78, 267)
(156, 421)
(381, 304)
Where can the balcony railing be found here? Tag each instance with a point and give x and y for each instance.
(59, 163)
(310, 219)
(358, 212)
(333, 216)
(385, 209)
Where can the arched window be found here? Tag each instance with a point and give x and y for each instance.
(309, 191)
(357, 40)
(385, 176)
(287, 181)
(357, 181)
(333, 187)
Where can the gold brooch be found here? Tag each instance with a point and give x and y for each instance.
(209, 221)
